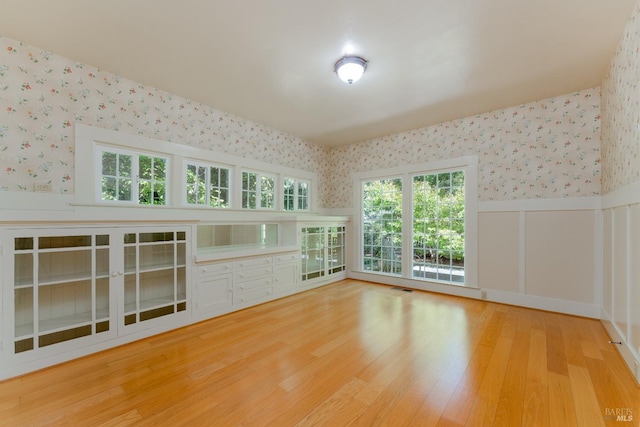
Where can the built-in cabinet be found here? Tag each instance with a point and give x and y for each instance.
(60, 286)
(70, 291)
(74, 287)
(322, 251)
(224, 286)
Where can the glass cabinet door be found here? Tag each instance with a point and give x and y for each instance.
(336, 249)
(154, 275)
(312, 252)
(61, 288)
(322, 251)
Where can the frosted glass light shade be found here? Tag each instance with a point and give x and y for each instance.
(350, 68)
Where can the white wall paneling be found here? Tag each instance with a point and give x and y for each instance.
(542, 254)
(620, 308)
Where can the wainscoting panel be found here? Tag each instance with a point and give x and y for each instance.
(499, 257)
(542, 254)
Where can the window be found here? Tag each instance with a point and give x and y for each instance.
(420, 221)
(438, 226)
(132, 177)
(258, 191)
(207, 185)
(132, 170)
(382, 225)
(296, 195)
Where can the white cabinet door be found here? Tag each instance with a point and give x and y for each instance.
(153, 276)
(58, 290)
(285, 277)
(323, 252)
(213, 293)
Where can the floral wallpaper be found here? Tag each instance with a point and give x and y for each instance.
(42, 96)
(621, 112)
(544, 149)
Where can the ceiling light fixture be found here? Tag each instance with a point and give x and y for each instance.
(350, 68)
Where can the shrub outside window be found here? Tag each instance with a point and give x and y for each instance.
(131, 177)
(258, 191)
(296, 195)
(207, 185)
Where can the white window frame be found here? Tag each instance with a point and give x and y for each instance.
(135, 175)
(259, 190)
(88, 191)
(208, 188)
(468, 164)
(296, 194)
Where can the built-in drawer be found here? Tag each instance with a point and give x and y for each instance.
(253, 262)
(255, 296)
(251, 285)
(288, 257)
(213, 269)
(252, 273)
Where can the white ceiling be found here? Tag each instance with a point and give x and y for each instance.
(272, 61)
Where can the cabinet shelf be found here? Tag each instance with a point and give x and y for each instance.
(24, 331)
(152, 303)
(62, 279)
(61, 323)
(25, 285)
(152, 268)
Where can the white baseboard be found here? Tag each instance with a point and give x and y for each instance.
(457, 290)
(544, 303)
(631, 358)
(521, 300)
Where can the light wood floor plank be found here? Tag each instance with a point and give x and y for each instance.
(347, 354)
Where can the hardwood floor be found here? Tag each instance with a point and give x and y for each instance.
(351, 353)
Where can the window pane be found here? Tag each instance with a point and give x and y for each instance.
(125, 189)
(191, 174)
(221, 199)
(438, 227)
(144, 192)
(215, 178)
(109, 188)
(267, 190)
(224, 178)
(159, 193)
(109, 163)
(382, 213)
(159, 168)
(252, 182)
(145, 167)
(303, 196)
(124, 164)
(219, 191)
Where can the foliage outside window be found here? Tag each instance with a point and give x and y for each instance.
(382, 226)
(207, 185)
(296, 195)
(438, 226)
(133, 177)
(258, 191)
(437, 234)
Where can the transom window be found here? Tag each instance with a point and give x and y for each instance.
(296, 195)
(131, 177)
(258, 190)
(207, 185)
(132, 170)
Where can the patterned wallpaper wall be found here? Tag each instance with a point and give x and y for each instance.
(544, 149)
(621, 112)
(42, 95)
